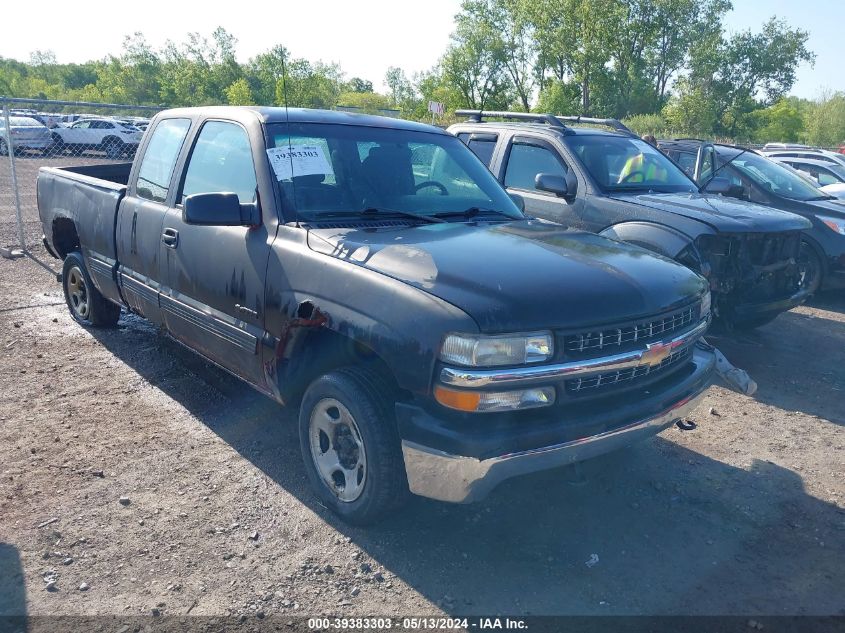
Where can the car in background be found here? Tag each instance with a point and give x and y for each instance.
(26, 133)
(755, 178)
(823, 155)
(114, 138)
(820, 171)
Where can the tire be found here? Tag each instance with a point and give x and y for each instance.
(57, 147)
(346, 417)
(4, 149)
(810, 265)
(113, 147)
(87, 306)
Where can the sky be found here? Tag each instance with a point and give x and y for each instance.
(365, 36)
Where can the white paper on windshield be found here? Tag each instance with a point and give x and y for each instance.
(299, 160)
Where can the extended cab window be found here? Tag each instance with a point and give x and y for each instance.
(157, 165)
(221, 162)
(482, 145)
(526, 161)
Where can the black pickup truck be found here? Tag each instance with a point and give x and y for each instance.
(611, 182)
(372, 272)
(742, 173)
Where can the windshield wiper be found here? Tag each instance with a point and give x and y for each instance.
(471, 212)
(382, 211)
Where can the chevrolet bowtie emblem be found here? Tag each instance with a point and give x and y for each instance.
(656, 353)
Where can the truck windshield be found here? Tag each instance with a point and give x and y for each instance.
(620, 164)
(328, 170)
(774, 177)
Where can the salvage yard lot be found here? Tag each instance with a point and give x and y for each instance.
(745, 514)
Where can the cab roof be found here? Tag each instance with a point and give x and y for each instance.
(269, 115)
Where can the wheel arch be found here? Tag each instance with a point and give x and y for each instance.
(308, 349)
(65, 237)
(659, 238)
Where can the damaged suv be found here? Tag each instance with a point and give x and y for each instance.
(613, 183)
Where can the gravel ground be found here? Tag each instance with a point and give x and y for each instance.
(134, 477)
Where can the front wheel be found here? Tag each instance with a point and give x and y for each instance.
(350, 445)
(810, 268)
(87, 306)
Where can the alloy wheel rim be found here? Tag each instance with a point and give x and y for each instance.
(77, 292)
(337, 449)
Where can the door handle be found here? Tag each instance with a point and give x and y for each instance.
(170, 237)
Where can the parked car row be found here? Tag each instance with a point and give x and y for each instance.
(442, 323)
(116, 137)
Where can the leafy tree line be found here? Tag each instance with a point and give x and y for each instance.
(666, 67)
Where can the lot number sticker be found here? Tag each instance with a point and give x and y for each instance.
(299, 160)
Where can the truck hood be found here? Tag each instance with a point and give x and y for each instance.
(518, 276)
(726, 215)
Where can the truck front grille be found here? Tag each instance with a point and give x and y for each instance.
(628, 336)
(579, 385)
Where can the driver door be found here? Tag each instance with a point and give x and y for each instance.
(213, 297)
(527, 157)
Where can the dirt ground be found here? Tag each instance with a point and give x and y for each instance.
(743, 515)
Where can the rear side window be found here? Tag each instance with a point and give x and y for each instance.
(221, 162)
(526, 161)
(483, 149)
(159, 158)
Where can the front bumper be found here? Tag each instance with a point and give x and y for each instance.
(447, 476)
(766, 308)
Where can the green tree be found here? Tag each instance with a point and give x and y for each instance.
(369, 102)
(356, 84)
(780, 122)
(240, 93)
(824, 121)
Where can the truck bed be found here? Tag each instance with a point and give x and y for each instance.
(84, 199)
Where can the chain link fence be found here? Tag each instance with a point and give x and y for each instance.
(37, 133)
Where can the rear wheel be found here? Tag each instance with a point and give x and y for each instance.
(4, 149)
(113, 147)
(87, 306)
(350, 445)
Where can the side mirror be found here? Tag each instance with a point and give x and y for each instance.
(219, 209)
(552, 183)
(719, 185)
(518, 200)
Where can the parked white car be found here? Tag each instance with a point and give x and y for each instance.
(824, 155)
(837, 190)
(26, 133)
(114, 138)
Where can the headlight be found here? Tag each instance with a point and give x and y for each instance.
(474, 350)
(491, 401)
(834, 224)
(706, 301)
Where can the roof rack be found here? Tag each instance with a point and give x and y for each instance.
(616, 124)
(478, 116)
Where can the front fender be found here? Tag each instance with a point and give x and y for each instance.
(659, 238)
